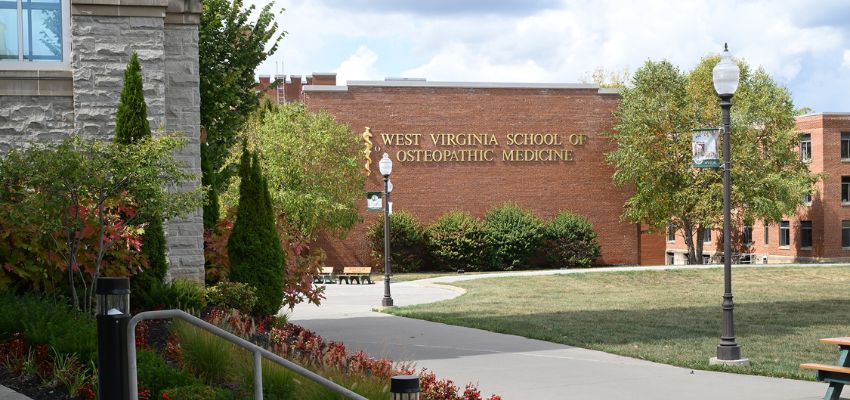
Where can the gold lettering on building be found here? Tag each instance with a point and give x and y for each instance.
(477, 147)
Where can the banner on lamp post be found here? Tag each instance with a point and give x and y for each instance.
(373, 201)
(704, 148)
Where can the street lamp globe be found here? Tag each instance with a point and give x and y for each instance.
(386, 165)
(726, 74)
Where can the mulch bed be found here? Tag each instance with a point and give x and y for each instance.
(30, 387)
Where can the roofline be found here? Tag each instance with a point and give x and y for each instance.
(826, 114)
(462, 85)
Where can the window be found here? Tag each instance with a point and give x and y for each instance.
(845, 189)
(706, 236)
(845, 145)
(671, 232)
(845, 234)
(807, 199)
(34, 31)
(805, 233)
(671, 258)
(766, 235)
(706, 259)
(784, 233)
(806, 147)
(748, 235)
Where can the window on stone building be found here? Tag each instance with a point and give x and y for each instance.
(671, 232)
(784, 233)
(805, 233)
(845, 145)
(34, 31)
(806, 147)
(706, 236)
(845, 234)
(748, 235)
(845, 189)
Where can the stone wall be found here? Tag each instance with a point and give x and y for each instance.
(27, 119)
(101, 50)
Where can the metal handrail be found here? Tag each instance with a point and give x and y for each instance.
(258, 351)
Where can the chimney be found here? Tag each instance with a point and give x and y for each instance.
(263, 87)
(293, 89)
(324, 78)
(309, 79)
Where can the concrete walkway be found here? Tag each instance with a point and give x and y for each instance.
(9, 394)
(516, 367)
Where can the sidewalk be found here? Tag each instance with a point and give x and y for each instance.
(516, 367)
(9, 394)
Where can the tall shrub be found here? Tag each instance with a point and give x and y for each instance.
(131, 126)
(571, 241)
(516, 235)
(408, 242)
(256, 257)
(458, 241)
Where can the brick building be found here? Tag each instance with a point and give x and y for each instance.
(820, 231)
(62, 72)
(476, 145)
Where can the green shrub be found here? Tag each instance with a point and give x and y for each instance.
(516, 235)
(458, 241)
(181, 294)
(156, 375)
(50, 322)
(197, 392)
(408, 242)
(571, 241)
(232, 295)
(206, 355)
(256, 257)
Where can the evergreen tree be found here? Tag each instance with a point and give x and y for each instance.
(208, 178)
(256, 257)
(131, 125)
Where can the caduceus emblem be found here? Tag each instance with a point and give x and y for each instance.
(367, 151)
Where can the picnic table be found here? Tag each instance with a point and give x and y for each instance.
(360, 274)
(836, 375)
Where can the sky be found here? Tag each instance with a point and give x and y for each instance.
(803, 45)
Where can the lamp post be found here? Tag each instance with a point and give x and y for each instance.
(113, 313)
(725, 77)
(386, 167)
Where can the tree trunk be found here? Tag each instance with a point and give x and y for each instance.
(688, 234)
(699, 243)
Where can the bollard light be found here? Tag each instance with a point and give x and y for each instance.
(405, 387)
(113, 313)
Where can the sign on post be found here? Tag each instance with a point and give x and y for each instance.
(373, 201)
(704, 148)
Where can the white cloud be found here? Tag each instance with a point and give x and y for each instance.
(563, 44)
(360, 66)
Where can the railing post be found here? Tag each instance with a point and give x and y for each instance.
(258, 375)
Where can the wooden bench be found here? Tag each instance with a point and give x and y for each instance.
(360, 274)
(326, 276)
(836, 375)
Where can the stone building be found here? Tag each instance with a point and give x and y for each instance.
(62, 72)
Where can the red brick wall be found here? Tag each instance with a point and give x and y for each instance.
(826, 211)
(430, 189)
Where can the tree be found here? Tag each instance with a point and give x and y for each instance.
(314, 165)
(256, 257)
(230, 48)
(131, 121)
(653, 136)
(607, 79)
(78, 189)
(131, 126)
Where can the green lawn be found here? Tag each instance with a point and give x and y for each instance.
(671, 317)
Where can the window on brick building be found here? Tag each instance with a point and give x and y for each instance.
(845, 234)
(748, 235)
(766, 234)
(706, 236)
(671, 232)
(671, 258)
(845, 145)
(806, 147)
(807, 199)
(845, 189)
(35, 32)
(784, 233)
(805, 233)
